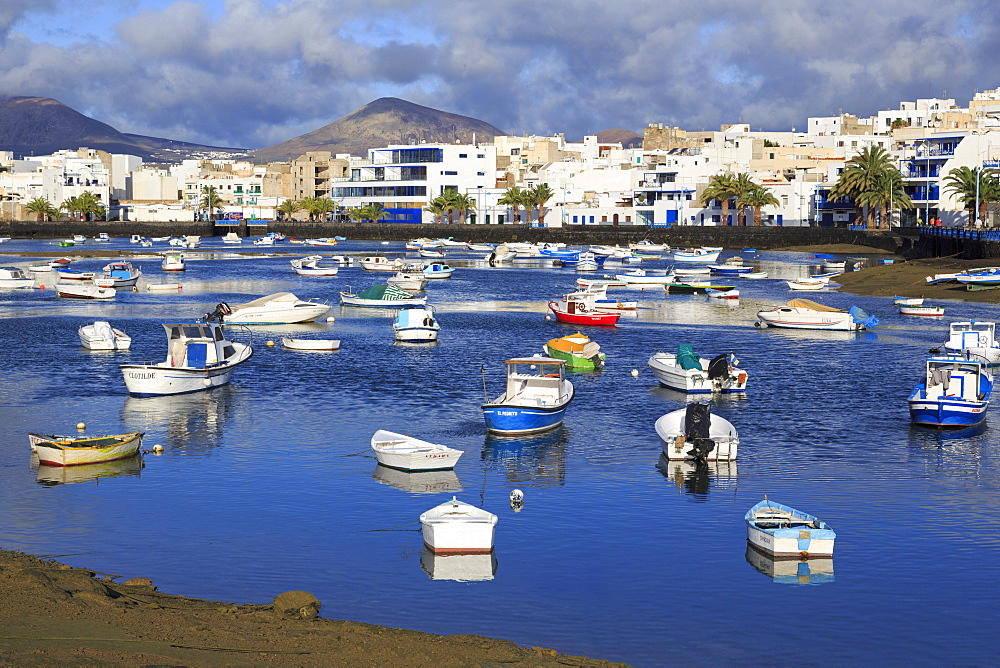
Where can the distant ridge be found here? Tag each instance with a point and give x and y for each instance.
(626, 138)
(41, 126)
(387, 120)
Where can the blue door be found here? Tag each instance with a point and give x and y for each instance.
(197, 355)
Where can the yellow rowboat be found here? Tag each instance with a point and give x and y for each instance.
(66, 451)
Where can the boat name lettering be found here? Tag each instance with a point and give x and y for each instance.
(506, 412)
(141, 376)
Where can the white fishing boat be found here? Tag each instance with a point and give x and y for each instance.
(407, 281)
(688, 372)
(908, 301)
(322, 241)
(692, 271)
(163, 287)
(696, 255)
(923, 309)
(501, 253)
(807, 284)
(382, 295)
(14, 277)
(942, 278)
(231, 238)
(416, 324)
(754, 275)
(979, 279)
(535, 397)
(453, 243)
(173, 262)
(401, 451)
(480, 247)
(715, 293)
(647, 245)
(264, 241)
(80, 290)
(430, 252)
(281, 308)
(381, 263)
(67, 274)
(135, 238)
(806, 314)
(199, 357)
(100, 335)
(455, 527)
(783, 531)
(122, 274)
(642, 277)
(973, 337)
(834, 265)
(68, 451)
(695, 433)
(309, 266)
(311, 344)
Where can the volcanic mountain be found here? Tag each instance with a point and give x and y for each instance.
(40, 126)
(385, 121)
(626, 138)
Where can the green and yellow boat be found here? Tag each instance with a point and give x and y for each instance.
(577, 350)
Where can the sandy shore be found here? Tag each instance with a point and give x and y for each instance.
(52, 614)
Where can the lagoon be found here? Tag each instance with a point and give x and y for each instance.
(268, 485)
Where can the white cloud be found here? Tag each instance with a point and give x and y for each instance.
(257, 72)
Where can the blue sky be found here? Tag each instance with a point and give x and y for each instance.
(251, 73)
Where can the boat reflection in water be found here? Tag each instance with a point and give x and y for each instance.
(460, 567)
(698, 478)
(192, 423)
(818, 570)
(538, 458)
(418, 482)
(63, 475)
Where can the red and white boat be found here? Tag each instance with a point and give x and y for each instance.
(578, 312)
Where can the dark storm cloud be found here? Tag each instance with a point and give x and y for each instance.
(259, 72)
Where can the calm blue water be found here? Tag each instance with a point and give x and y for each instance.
(267, 485)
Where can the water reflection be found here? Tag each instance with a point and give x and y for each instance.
(818, 570)
(192, 423)
(418, 482)
(698, 478)
(51, 476)
(460, 567)
(538, 458)
(669, 396)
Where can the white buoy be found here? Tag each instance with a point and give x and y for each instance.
(548, 317)
(331, 319)
(207, 382)
(269, 344)
(81, 425)
(157, 449)
(516, 496)
(635, 373)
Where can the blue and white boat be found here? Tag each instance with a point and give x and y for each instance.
(416, 324)
(437, 270)
(976, 338)
(979, 279)
(560, 254)
(534, 400)
(783, 531)
(954, 393)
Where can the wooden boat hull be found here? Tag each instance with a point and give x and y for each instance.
(406, 453)
(84, 291)
(782, 531)
(465, 531)
(77, 452)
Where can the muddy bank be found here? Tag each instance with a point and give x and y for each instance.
(52, 614)
(909, 279)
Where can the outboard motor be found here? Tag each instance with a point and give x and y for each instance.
(697, 422)
(221, 311)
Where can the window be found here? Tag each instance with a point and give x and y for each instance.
(449, 173)
(480, 173)
(574, 219)
(481, 155)
(463, 155)
(515, 151)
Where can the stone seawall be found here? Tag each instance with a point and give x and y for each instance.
(729, 237)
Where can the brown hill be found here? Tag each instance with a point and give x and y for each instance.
(387, 120)
(626, 138)
(40, 126)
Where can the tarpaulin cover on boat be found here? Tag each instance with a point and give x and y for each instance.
(383, 291)
(686, 357)
(697, 421)
(809, 304)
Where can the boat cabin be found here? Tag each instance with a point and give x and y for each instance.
(972, 334)
(957, 377)
(196, 345)
(537, 380)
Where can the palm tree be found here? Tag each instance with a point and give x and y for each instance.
(742, 187)
(211, 201)
(513, 198)
(541, 194)
(70, 206)
(887, 193)
(462, 204)
(320, 206)
(39, 206)
(289, 207)
(88, 204)
(436, 208)
(448, 201)
(864, 173)
(719, 187)
(357, 214)
(758, 198)
(972, 184)
(374, 212)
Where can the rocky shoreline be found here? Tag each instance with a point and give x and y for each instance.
(54, 614)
